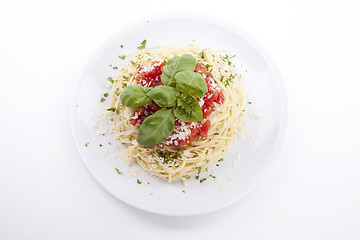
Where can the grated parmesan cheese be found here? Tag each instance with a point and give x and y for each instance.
(235, 163)
(255, 115)
(131, 173)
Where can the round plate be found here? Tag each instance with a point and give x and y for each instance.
(248, 159)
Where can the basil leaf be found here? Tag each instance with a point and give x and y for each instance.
(192, 83)
(135, 96)
(187, 109)
(156, 128)
(164, 96)
(175, 65)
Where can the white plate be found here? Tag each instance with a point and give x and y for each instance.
(257, 149)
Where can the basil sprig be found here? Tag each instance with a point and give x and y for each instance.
(181, 86)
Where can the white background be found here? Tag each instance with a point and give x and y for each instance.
(311, 192)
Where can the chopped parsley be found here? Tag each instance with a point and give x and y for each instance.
(201, 54)
(100, 145)
(106, 94)
(142, 46)
(122, 57)
(203, 179)
(117, 170)
(228, 80)
(249, 102)
(110, 79)
(86, 144)
(111, 109)
(102, 99)
(138, 181)
(121, 46)
(221, 159)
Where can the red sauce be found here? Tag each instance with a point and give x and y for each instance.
(149, 76)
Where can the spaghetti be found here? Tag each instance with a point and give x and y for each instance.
(182, 155)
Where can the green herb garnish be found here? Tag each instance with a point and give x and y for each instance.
(138, 181)
(102, 99)
(142, 46)
(175, 65)
(117, 170)
(164, 96)
(122, 56)
(110, 79)
(201, 54)
(156, 128)
(181, 86)
(135, 96)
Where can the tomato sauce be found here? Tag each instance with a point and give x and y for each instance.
(184, 132)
